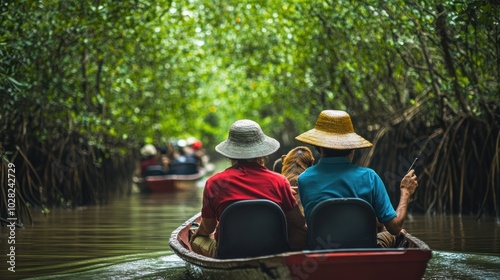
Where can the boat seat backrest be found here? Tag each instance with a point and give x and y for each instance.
(154, 170)
(183, 168)
(250, 228)
(342, 223)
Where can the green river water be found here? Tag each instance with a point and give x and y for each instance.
(128, 239)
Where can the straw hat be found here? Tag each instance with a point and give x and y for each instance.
(246, 140)
(334, 130)
(148, 150)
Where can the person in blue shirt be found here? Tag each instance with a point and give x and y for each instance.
(334, 176)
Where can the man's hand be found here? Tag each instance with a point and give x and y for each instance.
(409, 183)
(408, 186)
(207, 227)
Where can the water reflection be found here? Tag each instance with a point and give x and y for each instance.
(447, 265)
(160, 265)
(457, 233)
(72, 240)
(128, 239)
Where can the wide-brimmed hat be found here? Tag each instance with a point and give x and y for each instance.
(246, 140)
(334, 130)
(148, 150)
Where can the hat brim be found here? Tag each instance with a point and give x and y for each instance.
(336, 141)
(233, 150)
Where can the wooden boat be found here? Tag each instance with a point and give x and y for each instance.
(169, 182)
(408, 261)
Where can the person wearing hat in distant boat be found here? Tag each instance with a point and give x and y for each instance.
(247, 178)
(149, 158)
(334, 176)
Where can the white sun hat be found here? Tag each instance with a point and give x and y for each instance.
(148, 150)
(246, 140)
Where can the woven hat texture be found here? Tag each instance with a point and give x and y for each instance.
(334, 130)
(246, 140)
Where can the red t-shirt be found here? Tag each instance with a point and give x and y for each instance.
(145, 163)
(244, 181)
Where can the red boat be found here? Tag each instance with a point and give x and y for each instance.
(173, 182)
(169, 182)
(407, 261)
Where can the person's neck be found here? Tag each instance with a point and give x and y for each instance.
(349, 157)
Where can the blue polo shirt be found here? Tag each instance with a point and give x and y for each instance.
(337, 177)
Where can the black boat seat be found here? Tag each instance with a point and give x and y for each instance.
(154, 170)
(184, 165)
(251, 228)
(342, 223)
(183, 168)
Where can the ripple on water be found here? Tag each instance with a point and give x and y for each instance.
(160, 265)
(443, 265)
(450, 265)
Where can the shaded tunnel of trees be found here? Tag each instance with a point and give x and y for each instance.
(83, 84)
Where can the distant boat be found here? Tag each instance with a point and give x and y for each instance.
(161, 182)
(408, 261)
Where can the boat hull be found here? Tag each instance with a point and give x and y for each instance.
(408, 262)
(169, 183)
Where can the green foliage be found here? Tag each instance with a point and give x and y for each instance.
(145, 70)
(120, 73)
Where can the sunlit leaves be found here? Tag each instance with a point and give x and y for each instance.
(145, 70)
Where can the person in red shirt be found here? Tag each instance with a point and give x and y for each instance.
(247, 147)
(149, 158)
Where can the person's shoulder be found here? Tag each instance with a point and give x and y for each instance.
(217, 176)
(364, 168)
(274, 174)
(229, 171)
(311, 170)
(308, 174)
(367, 171)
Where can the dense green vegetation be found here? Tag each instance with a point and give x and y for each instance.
(84, 83)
